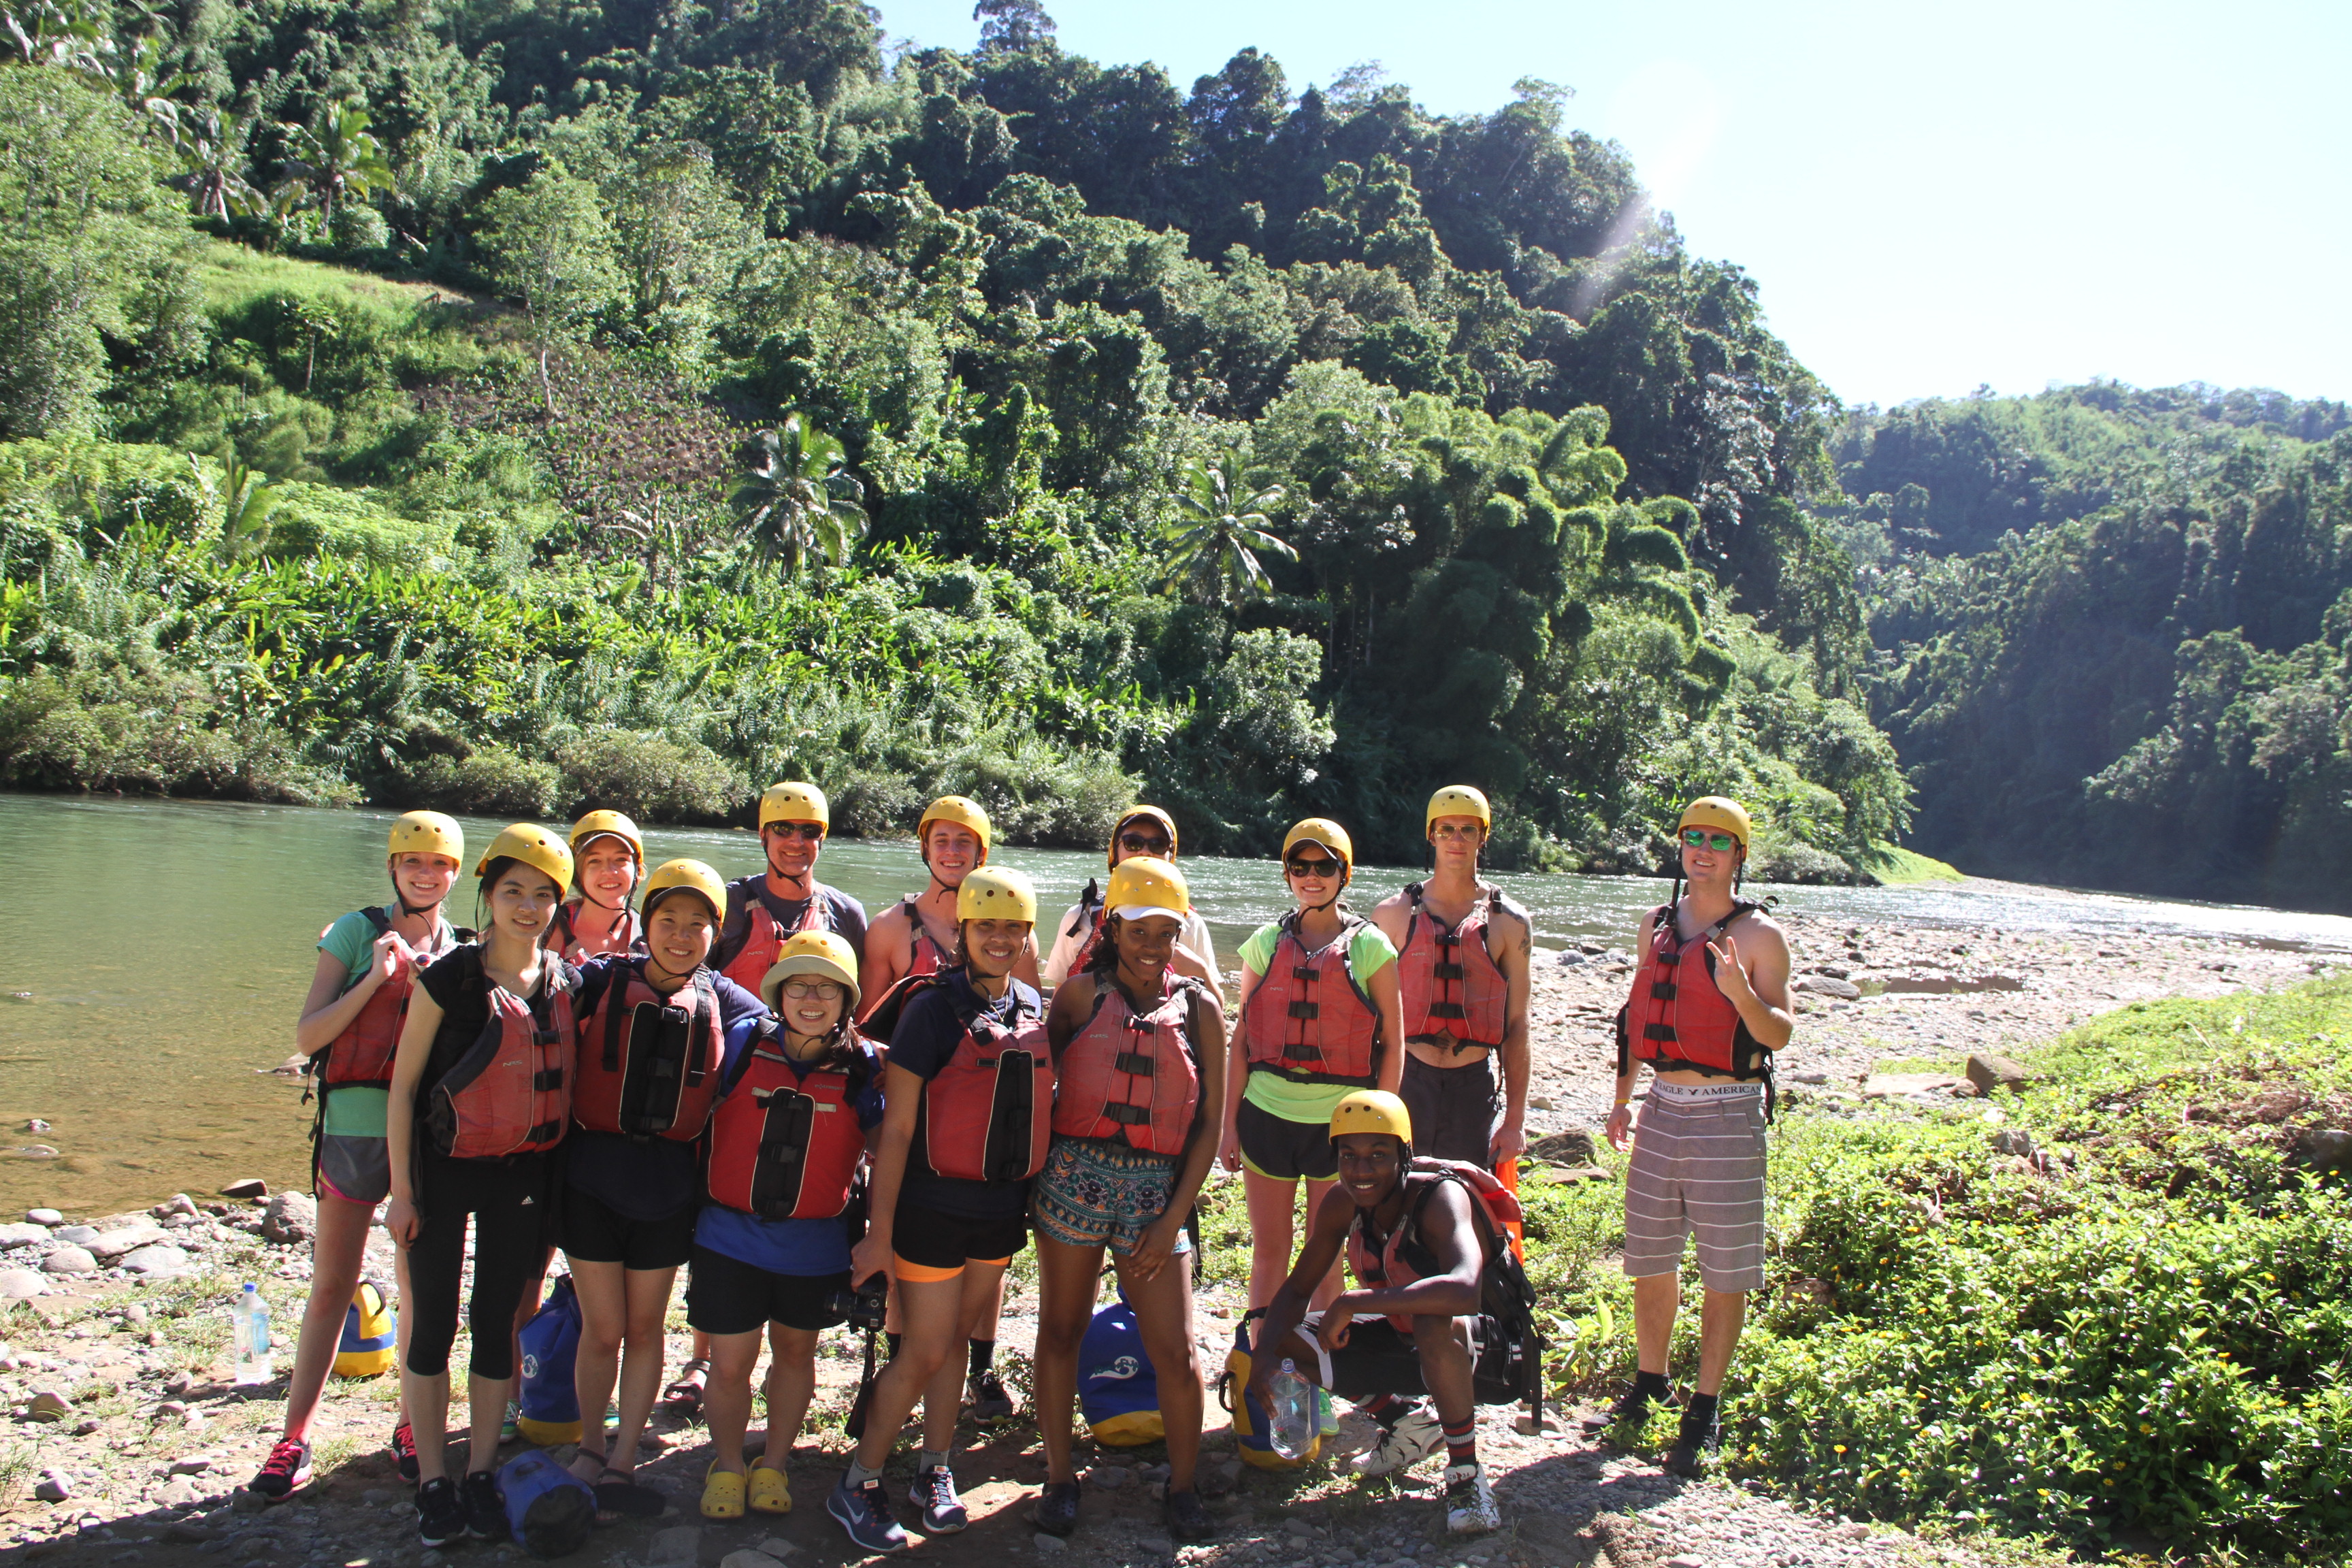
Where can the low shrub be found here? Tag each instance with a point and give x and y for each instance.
(492, 782)
(652, 776)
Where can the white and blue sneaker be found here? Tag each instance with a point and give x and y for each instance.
(864, 1513)
(934, 1497)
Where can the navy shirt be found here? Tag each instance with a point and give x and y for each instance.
(925, 1041)
(847, 915)
(652, 1178)
(800, 1247)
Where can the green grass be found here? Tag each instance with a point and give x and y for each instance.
(232, 277)
(1899, 867)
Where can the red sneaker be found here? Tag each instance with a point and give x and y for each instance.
(403, 1450)
(288, 1466)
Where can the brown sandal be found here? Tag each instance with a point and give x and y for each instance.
(684, 1395)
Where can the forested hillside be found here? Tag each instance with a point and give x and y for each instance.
(506, 402)
(2114, 628)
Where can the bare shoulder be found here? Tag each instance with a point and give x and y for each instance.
(1759, 932)
(1391, 913)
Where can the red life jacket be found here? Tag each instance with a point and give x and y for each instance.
(1132, 1075)
(511, 1093)
(1677, 1018)
(1454, 989)
(628, 937)
(361, 1054)
(923, 954)
(1400, 1258)
(988, 1116)
(766, 937)
(785, 1144)
(1309, 1019)
(648, 1066)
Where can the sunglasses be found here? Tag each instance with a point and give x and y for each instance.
(1137, 843)
(802, 990)
(810, 831)
(1699, 838)
(1325, 867)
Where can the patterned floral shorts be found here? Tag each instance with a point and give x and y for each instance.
(1091, 1192)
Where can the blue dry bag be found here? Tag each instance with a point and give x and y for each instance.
(550, 1410)
(1117, 1387)
(550, 1509)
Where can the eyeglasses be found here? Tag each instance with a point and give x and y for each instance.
(811, 832)
(1137, 843)
(1324, 868)
(802, 990)
(1699, 838)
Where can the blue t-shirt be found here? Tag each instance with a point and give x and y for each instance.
(653, 1178)
(929, 1032)
(803, 1247)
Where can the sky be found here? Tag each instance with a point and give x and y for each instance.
(2012, 194)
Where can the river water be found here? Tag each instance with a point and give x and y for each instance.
(155, 952)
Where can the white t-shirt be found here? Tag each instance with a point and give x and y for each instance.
(1194, 934)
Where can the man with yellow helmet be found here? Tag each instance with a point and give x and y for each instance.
(1418, 1236)
(764, 909)
(1463, 956)
(917, 935)
(1709, 1007)
(1139, 830)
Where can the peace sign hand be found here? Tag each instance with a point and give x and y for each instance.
(1730, 975)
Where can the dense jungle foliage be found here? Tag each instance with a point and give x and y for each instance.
(509, 403)
(2114, 628)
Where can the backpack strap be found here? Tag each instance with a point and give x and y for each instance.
(375, 918)
(1088, 902)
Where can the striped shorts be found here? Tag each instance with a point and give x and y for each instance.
(1698, 1165)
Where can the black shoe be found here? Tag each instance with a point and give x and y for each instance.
(1185, 1517)
(986, 1391)
(440, 1515)
(403, 1450)
(486, 1510)
(1056, 1512)
(1693, 1446)
(1631, 1411)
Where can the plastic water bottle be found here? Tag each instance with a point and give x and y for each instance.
(249, 1324)
(1293, 1416)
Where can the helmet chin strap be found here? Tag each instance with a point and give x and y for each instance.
(400, 897)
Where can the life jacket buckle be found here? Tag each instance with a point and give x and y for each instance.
(1306, 1009)
(1136, 1065)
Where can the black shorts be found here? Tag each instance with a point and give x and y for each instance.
(593, 1232)
(1455, 1110)
(1287, 1150)
(939, 1245)
(1380, 1358)
(727, 1295)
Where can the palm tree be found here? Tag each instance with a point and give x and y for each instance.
(797, 498)
(335, 155)
(249, 504)
(1223, 530)
(212, 152)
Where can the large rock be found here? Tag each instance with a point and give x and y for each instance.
(22, 1234)
(44, 1216)
(79, 1235)
(246, 1187)
(675, 1546)
(1824, 985)
(1903, 1084)
(290, 1217)
(17, 1284)
(113, 1244)
(71, 1261)
(157, 1260)
(1574, 1147)
(746, 1557)
(1990, 1073)
(2328, 1146)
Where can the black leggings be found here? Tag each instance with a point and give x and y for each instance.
(509, 1200)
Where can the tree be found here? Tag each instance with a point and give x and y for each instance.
(797, 498)
(211, 144)
(247, 503)
(1016, 24)
(335, 156)
(549, 241)
(1223, 531)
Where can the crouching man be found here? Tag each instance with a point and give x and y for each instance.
(1418, 1238)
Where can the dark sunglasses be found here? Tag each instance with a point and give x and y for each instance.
(1324, 868)
(1137, 843)
(811, 831)
(1699, 838)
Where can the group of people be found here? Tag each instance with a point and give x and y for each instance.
(816, 1116)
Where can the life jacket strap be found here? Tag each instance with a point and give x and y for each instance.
(1447, 1010)
(1135, 1064)
(545, 1133)
(1126, 1115)
(1307, 1009)
(547, 1078)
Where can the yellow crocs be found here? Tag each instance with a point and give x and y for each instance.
(771, 1493)
(722, 1493)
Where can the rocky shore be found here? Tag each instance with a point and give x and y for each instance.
(125, 1443)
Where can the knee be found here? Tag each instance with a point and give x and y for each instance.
(1442, 1336)
(1059, 1338)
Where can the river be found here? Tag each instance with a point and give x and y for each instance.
(155, 952)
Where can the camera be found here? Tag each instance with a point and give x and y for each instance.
(865, 1308)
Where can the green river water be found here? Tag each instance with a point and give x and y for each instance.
(155, 955)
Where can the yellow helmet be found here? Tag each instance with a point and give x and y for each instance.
(1323, 831)
(822, 954)
(1141, 885)
(1372, 1110)
(1459, 800)
(997, 893)
(1129, 814)
(794, 802)
(533, 845)
(603, 824)
(692, 875)
(959, 809)
(427, 833)
(1718, 812)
